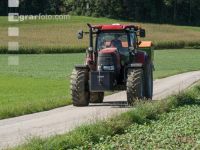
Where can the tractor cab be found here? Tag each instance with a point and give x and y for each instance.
(115, 40)
(121, 37)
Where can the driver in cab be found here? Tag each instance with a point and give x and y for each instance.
(116, 42)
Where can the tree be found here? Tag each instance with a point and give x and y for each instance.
(158, 11)
(4, 7)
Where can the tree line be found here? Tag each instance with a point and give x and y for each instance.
(156, 11)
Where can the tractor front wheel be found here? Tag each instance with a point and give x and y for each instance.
(80, 87)
(135, 85)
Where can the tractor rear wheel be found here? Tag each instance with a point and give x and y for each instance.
(96, 97)
(135, 85)
(148, 79)
(80, 87)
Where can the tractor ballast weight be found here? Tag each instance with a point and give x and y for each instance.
(117, 61)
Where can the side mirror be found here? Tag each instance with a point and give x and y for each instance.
(80, 34)
(142, 33)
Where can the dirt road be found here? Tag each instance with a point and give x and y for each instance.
(17, 130)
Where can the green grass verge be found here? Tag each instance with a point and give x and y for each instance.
(38, 83)
(169, 63)
(59, 36)
(114, 133)
(25, 95)
(41, 82)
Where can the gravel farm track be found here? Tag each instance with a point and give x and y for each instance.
(17, 130)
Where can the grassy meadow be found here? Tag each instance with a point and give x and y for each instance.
(57, 36)
(41, 82)
(38, 83)
(169, 124)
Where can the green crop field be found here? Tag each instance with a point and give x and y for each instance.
(176, 130)
(41, 82)
(56, 35)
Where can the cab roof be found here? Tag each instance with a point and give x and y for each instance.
(115, 27)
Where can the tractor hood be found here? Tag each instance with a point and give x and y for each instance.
(109, 59)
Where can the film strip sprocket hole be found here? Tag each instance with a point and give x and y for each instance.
(13, 31)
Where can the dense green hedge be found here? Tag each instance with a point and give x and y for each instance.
(59, 50)
(42, 50)
(177, 45)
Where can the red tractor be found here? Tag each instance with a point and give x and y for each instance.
(117, 61)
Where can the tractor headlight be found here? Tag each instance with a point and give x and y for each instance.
(90, 49)
(99, 68)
